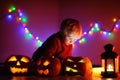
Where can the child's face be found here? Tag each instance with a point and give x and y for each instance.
(70, 39)
(72, 33)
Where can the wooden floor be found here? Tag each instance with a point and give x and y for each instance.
(95, 76)
(54, 78)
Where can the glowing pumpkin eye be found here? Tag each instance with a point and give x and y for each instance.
(46, 63)
(82, 61)
(24, 59)
(70, 60)
(13, 58)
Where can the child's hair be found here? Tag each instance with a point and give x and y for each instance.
(70, 25)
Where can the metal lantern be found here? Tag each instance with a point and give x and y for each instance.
(109, 62)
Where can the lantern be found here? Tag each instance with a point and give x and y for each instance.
(77, 66)
(18, 64)
(109, 62)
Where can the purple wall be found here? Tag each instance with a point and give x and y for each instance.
(87, 12)
(42, 22)
(44, 17)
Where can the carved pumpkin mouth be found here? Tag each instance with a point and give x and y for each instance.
(45, 72)
(18, 70)
(71, 69)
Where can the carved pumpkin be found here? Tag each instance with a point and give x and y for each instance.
(77, 66)
(18, 64)
(48, 66)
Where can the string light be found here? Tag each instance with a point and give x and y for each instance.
(23, 19)
(93, 27)
(9, 16)
(96, 28)
(11, 9)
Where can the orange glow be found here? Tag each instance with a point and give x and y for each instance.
(46, 72)
(90, 32)
(114, 20)
(117, 64)
(9, 10)
(18, 63)
(26, 30)
(46, 63)
(103, 65)
(80, 41)
(19, 19)
(13, 58)
(15, 70)
(24, 59)
(96, 72)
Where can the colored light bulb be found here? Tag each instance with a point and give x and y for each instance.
(12, 8)
(24, 19)
(9, 16)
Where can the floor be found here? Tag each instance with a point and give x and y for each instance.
(53, 78)
(95, 76)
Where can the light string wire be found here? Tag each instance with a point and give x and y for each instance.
(94, 27)
(20, 17)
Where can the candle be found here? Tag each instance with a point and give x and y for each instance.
(96, 71)
(110, 67)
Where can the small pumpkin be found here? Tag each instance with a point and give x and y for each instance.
(48, 66)
(77, 66)
(18, 64)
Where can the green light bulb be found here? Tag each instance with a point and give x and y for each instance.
(92, 29)
(28, 36)
(83, 40)
(24, 19)
(39, 43)
(12, 8)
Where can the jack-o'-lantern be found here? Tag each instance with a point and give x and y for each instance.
(77, 66)
(18, 64)
(48, 66)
